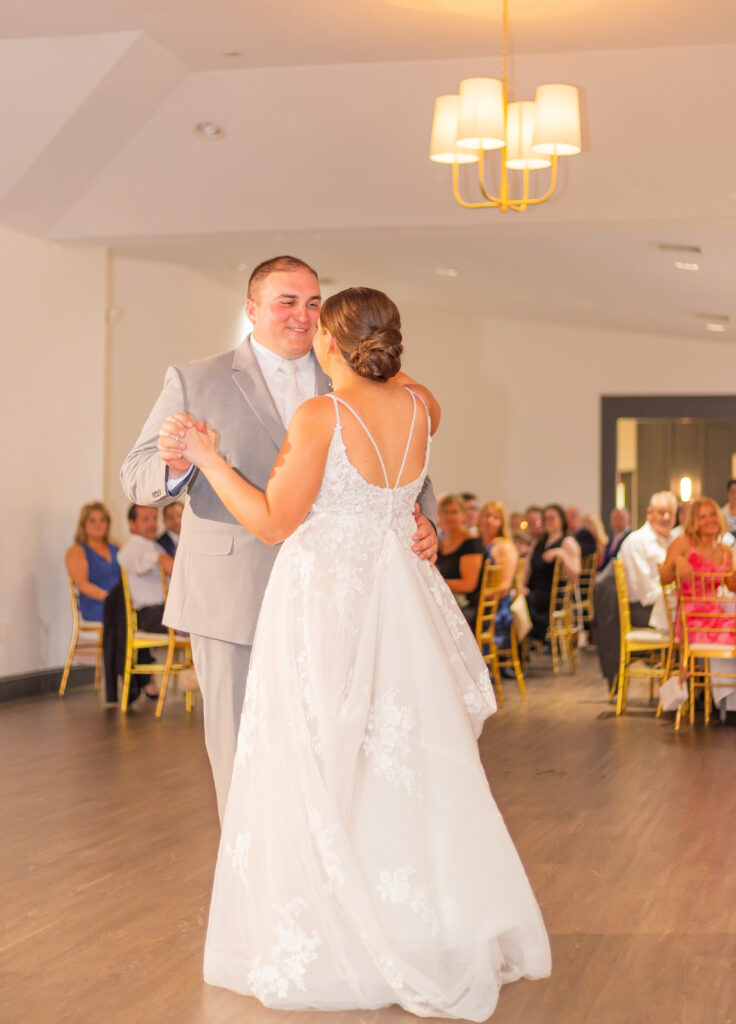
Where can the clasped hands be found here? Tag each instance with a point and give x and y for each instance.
(184, 442)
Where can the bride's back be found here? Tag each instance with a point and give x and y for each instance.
(396, 420)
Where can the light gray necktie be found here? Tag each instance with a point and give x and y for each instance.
(292, 394)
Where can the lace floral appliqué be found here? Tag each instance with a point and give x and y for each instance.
(324, 837)
(396, 887)
(387, 743)
(290, 954)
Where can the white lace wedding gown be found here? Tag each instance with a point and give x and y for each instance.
(363, 861)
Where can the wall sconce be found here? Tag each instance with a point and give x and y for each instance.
(686, 488)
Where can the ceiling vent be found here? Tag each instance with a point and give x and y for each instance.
(674, 247)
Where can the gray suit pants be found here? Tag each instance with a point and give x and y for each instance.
(222, 669)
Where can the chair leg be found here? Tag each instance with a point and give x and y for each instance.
(126, 679)
(613, 689)
(165, 677)
(189, 701)
(68, 665)
(98, 668)
(517, 665)
(622, 682)
(496, 676)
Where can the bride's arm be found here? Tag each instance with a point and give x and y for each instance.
(294, 482)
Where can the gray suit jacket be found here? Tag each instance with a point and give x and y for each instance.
(221, 570)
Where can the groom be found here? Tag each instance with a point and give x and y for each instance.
(221, 570)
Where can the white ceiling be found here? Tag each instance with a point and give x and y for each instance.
(326, 112)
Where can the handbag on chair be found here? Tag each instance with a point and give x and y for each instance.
(522, 618)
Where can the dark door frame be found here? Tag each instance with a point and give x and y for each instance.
(654, 407)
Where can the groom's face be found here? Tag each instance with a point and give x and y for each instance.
(284, 312)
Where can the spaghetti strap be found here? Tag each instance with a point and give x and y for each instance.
(408, 440)
(365, 428)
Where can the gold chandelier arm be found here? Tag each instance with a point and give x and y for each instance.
(459, 199)
(552, 184)
(501, 201)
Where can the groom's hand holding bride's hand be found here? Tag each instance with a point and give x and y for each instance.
(184, 442)
(425, 539)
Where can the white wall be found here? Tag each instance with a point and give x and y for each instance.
(521, 401)
(164, 314)
(52, 325)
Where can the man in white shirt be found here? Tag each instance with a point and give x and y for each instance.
(642, 553)
(143, 559)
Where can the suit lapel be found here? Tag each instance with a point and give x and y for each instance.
(252, 384)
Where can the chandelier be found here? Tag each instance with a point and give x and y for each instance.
(530, 134)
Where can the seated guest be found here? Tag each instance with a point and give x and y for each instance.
(500, 551)
(460, 556)
(642, 553)
(92, 560)
(619, 521)
(169, 539)
(471, 512)
(729, 509)
(143, 559)
(554, 543)
(578, 530)
(683, 510)
(594, 524)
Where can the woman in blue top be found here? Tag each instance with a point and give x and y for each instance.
(92, 561)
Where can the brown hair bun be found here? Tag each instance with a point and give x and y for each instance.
(366, 325)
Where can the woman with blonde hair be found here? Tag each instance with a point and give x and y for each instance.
(92, 560)
(500, 550)
(700, 550)
(460, 556)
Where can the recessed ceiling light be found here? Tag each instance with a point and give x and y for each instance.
(231, 53)
(686, 266)
(447, 271)
(209, 130)
(716, 328)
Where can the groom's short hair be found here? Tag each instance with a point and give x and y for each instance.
(272, 266)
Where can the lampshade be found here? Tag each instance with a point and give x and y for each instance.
(481, 118)
(520, 118)
(443, 149)
(557, 126)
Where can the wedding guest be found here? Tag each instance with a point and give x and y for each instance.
(460, 556)
(642, 552)
(500, 550)
(92, 560)
(515, 521)
(729, 509)
(555, 542)
(701, 549)
(594, 524)
(578, 529)
(533, 519)
(619, 521)
(471, 512)
(143, 559)
(169, 539)
(683, 510)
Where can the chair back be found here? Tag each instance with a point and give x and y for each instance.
(622, 597)
(74, 595)
(707, 610)
(487, 603)
(561, 593)
(586, 583)
(131, 619)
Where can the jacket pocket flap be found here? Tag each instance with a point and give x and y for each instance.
(210, 544)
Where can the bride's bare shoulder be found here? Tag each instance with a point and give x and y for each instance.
(432, 404)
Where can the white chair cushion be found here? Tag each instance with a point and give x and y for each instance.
(645, 635)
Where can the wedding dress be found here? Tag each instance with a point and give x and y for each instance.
(363, 861)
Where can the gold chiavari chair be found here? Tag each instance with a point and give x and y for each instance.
(669, 592)
(183, 643)
(585, 589)
(562, 631)
(651, 645)
(485, 622)
(707, 610)
(86, 639)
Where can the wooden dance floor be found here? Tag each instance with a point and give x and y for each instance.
(108, 836)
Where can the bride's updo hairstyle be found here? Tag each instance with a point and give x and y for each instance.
(366, 325)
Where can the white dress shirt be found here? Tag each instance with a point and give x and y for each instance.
(642, 553)
(139, 557)
(271, 363)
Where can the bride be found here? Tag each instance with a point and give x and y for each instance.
(363, 861)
